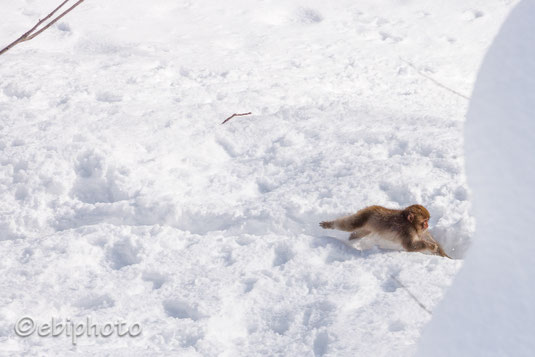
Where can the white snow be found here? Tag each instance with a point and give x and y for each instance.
(123, 198)
(489, 310)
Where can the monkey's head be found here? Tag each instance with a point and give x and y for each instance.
(418, 216)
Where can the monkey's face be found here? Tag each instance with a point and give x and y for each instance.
(425, 224)
(418, 216)
(421, 223)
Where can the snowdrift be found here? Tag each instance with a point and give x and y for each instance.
(489, 309)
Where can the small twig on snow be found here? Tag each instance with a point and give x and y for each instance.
(411, 295)
(32, 34)
(434, 80)
(235, 115)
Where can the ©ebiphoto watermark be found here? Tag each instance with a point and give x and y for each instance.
(26, 326)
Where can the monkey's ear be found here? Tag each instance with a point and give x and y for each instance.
(410, 217)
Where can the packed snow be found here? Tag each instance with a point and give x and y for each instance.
(489, 310)
(123, 198)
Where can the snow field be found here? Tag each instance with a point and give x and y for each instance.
(123, 197)
(213, 294)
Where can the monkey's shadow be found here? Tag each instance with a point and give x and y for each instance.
(340, 250)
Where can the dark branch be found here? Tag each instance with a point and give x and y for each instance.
(411, 295)
(55, 20)
(434, 80)
(235, 115)
(32, 34)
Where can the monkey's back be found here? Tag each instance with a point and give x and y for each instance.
(383, 220)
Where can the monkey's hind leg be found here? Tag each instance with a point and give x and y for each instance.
(327, 224)
(359, 233)
(352, 222)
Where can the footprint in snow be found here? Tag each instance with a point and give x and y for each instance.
(279, 321)
(321, 343)
(123, 254)
(155, 278)
(96, 181)
(15, 91)
(386, 37)
(396, 326)
(283, 254)
(471, 15)
(95, 302)
(249, 284)
(306, 15)
(108, 97)
(179, 309)
(389, 286)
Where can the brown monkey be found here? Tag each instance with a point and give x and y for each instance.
(407, 226)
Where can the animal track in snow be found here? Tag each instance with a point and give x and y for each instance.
(181, 310)
(389, 285)
(337, 255)
(318, 314)
(461, 193)
(96, 182)
(15, 91)
(283, 16)
(124, 253)
(63, 26)
(283, 254)
(471, 15)
(306, 15)
(249, 284)
(396, 326)
(386, 37)
(18, 142)
(108, 97)
(26, 255)
(155, 278)
(95, 302)
(279, 321)
(228, 146)
(321, 343)
(398, 193)
(21, 193)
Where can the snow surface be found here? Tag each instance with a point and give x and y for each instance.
(123, 198)
(489, 310)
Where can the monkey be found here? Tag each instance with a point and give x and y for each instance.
(407, 226)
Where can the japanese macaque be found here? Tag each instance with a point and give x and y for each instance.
(407, 226)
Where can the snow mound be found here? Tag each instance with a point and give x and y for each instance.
(489, 310)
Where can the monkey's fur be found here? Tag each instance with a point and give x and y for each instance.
(407, 226)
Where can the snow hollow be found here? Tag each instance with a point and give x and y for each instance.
(122, 198)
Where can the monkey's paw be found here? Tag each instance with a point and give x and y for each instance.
(442, 253)
(327, 224)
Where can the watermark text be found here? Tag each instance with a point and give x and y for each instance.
(26, 326)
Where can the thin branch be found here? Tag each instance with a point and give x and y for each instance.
(434, 80)
(411, 295)
(30, 34)
(43, 20)
(55, 20)
(235, 115)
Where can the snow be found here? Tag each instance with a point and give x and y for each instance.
(123, 198)
(489, 309)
